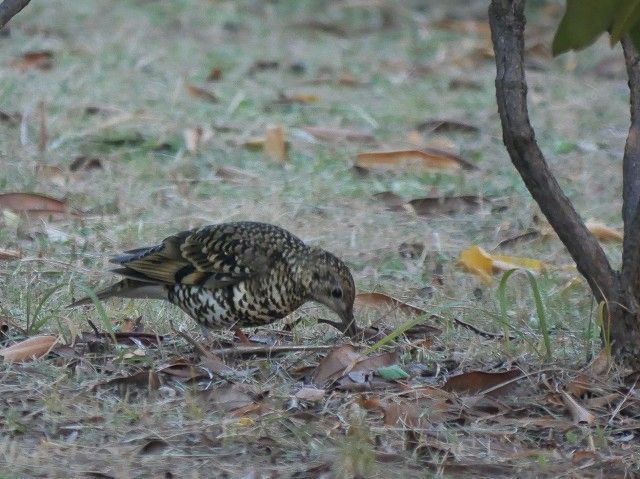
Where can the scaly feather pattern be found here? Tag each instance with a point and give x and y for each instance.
(235, 275)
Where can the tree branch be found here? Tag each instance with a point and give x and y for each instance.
(9, 9)
(506, 18)
(631, 178)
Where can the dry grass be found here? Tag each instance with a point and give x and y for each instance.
(133, 61)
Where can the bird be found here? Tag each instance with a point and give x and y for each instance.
(235, 274)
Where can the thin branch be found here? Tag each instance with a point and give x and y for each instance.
(631, 178)
(9, 9)
(506, 18)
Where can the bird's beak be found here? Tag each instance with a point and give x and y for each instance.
(349, 323)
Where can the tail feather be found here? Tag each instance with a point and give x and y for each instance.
(127, 288)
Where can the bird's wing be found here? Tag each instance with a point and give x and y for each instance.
(212, 256)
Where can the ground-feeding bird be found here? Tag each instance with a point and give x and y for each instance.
(233, 275)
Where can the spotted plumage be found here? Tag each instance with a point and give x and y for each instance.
(235, 275)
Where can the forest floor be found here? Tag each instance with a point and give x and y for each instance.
(147, 118)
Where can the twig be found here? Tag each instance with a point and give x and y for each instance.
(478, 331)
(506, 18)
(9, 9)
(203, 351)
(267, 349)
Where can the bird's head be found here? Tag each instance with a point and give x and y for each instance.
(330, 283)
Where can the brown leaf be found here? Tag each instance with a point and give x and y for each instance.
(339, 134)
(392, 201)
(334, 364)
(274, 146)
(34, 204)
(475, 382)
(145, 378)
(52, 173)
(38, 59)
(446, 126)
(201, 93)
(230, 397)
(233, 175)
(425, 159)
(154, 446)
(525, 237)
(603, 232)
(381, 300)
(403, 414)
(310, 394)
(372, 363)
(447, 205)
(30, 348)
(85, 163)
(12, 119)
(297, 98)
(579, 414)
(464, 84)
(465, 26)
(182, 369)
(9, 254)
(215, 74)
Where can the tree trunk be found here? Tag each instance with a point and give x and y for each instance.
(620, 291)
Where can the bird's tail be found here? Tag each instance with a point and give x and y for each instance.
(127, 288)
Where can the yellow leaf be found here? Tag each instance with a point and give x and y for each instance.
(245, 421)
(603, 232)
(502, 262)
(304, 98)
(425, 159)
(476, 260)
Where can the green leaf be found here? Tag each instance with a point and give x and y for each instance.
(583, 22)
(392, 372)
(627, 16)
(634, 34)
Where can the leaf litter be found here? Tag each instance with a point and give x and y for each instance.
(453, 416)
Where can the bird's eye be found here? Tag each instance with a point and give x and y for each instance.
(336, 293)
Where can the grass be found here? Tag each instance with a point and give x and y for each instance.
(131, 61)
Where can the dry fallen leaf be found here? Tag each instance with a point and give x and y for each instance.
(33, 204)
(144, 378)
(310, 394)
(233, 175)
(477, 261)
(604, 232)
(298, 98)
(426, 159)
(38, 59)
(29, 349)
(446, 126)
(215, 74)
(474, 382)
(230, 397)
(9, 254)
(195, 137)
(381, 300)
(274, 146)
(201, 93)
(579, 414)
(334, 364)
(339, 134)
(85, 163)
(446, 205)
